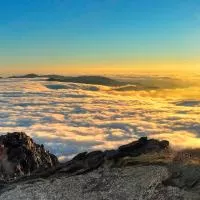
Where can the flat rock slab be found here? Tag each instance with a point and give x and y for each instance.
(129, 183)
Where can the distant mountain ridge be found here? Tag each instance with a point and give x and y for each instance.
(25, 76)
(119, 84)
(96, 80)
(32, 75)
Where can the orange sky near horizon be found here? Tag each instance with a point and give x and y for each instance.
(105, 68)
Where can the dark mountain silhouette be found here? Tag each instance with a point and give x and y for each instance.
(96, 80)
(26, 76)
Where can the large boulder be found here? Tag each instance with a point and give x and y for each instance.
(20, 155)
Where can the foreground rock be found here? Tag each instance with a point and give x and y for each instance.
(138, 182)
(142, 170)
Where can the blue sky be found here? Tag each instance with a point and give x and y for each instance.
(88, 32)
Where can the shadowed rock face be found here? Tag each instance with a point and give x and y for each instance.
(19, 155)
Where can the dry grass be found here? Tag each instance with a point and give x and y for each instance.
(185, 157)
(188, 156)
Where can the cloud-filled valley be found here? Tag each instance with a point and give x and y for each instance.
(72, 117)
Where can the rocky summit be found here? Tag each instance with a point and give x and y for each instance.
(146, 169)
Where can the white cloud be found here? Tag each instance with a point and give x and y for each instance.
(68, 118)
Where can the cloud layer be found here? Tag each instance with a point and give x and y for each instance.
(68, 117)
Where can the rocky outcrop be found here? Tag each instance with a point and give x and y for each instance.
(143, 145)
(19, 155)
(85, 162)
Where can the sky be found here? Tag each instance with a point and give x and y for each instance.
(90, 36)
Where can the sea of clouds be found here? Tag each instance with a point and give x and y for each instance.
(69, 118)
